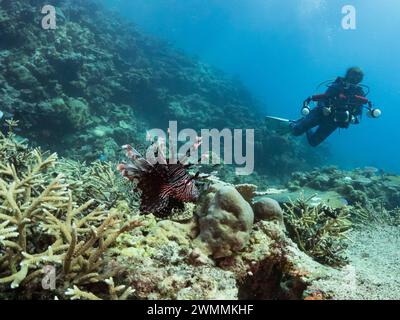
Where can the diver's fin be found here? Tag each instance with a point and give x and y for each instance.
(279, 125)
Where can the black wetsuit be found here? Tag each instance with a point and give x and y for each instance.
(342, 110)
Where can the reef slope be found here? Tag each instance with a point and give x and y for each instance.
(97, 82)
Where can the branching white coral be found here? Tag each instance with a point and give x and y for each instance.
(41, 225)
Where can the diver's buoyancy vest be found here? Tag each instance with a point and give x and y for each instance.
(345, 101)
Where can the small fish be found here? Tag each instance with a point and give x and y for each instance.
(1, 114)
(103, 157)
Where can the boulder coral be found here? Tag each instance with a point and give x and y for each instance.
(225, 222)
(268, 209)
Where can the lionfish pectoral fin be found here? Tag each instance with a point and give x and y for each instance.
(131, 152)
(129, 171)
(140, 163)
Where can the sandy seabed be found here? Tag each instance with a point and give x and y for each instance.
(374, 269)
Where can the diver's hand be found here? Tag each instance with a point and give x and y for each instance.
(326, 111)
(354, 120)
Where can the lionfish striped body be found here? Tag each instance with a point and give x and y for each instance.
(163, 186)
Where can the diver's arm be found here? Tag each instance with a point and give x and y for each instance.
(320, 99)
(372, 112)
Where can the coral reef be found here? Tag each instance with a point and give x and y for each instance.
(161, 262)
(96, 82)
(371, 194)
(170, 260)
(98, 181)
(73, 230)
(83, 223)
(77, 225)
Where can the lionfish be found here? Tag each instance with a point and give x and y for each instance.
(165, 184)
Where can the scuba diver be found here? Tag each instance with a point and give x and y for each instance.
(339, 107)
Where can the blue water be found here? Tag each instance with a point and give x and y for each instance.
(282, 50)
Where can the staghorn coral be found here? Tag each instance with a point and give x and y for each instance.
(121, 292)
(368, 215)
(99, 181)
(319, 230)
(41, 225)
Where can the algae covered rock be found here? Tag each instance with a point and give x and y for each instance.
(226, 222)
(160, 261)
(272, 266)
